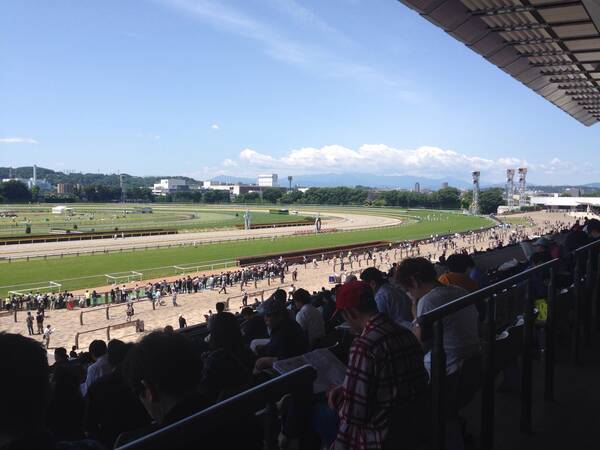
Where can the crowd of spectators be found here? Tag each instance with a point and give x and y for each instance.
(116, 393)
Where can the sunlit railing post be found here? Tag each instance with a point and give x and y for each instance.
(488, 375)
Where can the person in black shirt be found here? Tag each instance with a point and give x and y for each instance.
(112, 408)
(253, 326)
(182, 321)
(164, 370)
(287, 338)
(24, 370)
(228, 365)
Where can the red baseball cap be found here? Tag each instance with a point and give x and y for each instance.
(349, 294)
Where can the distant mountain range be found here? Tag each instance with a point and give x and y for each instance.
(316, 180)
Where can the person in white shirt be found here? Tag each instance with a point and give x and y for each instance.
(99, 368)
(308, 317)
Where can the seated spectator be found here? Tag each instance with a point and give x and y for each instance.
(458, 272)
(112, 408)
(228, 365)
(389, 298)
(308, 317)
(164, 370)
(460, 332)
(253, 326)
(66, 408)
(287, 338)
(73, 353)
(60, 357)
(220, 306)
(385, 372)
(99, 367)
(25, 374)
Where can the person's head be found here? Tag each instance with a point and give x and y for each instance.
(225, 333)
(25, 376)
(247, 312)
(279, 295)
(459, 263)
(593, 228)
(373, 277)
(116, 352)
(60, 355)
(417, 276)
(301, 297)
(168, 329)
(275, 312)
(220, 306)
(97, 349)
(356, 302)
(163, 369)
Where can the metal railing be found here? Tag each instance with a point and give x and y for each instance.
(585, 288)
(183, 433)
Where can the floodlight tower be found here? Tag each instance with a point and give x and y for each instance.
(122, 188)
(475, 203)
(522, 186)
(510, 188)
(290, 178)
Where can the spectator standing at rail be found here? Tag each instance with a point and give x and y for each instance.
(47, 332)
(39, 320)
(129, 312)
(182, 321)
(29, 321)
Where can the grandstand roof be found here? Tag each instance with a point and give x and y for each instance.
(551, 46)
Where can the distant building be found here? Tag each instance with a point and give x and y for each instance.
(170, 186)
(270, 180)
(61, 209)
(445, 185)
(234, 189)
(417, 187)
(64, 188)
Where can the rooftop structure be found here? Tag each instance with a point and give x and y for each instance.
(270, 180)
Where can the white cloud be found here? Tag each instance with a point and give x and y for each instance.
(426, 161)
(215, 126)
(229, 163)
(17, 140)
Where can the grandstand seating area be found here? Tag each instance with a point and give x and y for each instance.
(528, 314)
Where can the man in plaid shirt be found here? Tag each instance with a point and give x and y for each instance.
(385, 372)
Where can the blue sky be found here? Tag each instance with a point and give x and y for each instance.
(205, 87)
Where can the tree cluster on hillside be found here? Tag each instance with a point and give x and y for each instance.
(55, 177)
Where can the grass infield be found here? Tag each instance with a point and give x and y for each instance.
(77, 272)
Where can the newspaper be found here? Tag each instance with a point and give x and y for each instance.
(330, 370)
